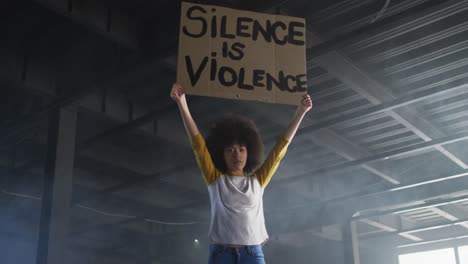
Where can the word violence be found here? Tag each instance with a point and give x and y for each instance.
(229, 77)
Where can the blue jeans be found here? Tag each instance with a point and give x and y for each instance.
(236, 255)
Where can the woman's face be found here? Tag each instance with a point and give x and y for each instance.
(235, 156)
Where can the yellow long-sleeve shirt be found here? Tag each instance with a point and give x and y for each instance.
(263, 173)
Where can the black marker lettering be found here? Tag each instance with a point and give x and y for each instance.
(199, 18)
(258, 76)
(238, 53)
(241, 27)
(265, 32)
(194, 77)
(278, 83)
(223, 33)
(225, 49)
(213, 27)
(213, 66)
(292, 32)
(222, 76)
(242, 84)
(290, 78)
(274, 28)
(301, 82)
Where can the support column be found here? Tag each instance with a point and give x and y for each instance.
(457, 255)
(155, 245)
(351, 246)
(57, 190)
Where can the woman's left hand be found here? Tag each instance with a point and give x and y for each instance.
(306, 104)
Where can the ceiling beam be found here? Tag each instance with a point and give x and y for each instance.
(340, 66)
(385, 106)
(122, 77)
(329, 139)
(149, 117)
(387, 228)
(421, 205)
(382, 156)
(309, 216)
(433, 241)
(103, 17)
(343, 40)
(448, 216)
(419, 229)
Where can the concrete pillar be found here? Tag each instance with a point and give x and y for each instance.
(351, 247)
(57, 190)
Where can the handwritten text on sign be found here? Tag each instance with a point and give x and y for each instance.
(239, 54)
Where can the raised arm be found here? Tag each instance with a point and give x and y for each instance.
(269, 166)
(178, 95)
(202, 155)
(305, 105)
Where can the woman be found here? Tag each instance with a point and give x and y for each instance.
(228, 161)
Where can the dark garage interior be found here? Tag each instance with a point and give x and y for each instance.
(95, 165)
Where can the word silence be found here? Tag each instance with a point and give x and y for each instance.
(243, 55)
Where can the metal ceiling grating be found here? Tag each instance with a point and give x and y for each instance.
(426, 57)
(394, 8)
(423, 216)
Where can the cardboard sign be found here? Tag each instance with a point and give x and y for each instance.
(243, 55)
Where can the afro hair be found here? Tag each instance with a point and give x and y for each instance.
(235, 129)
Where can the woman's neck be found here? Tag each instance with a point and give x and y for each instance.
(235, 173)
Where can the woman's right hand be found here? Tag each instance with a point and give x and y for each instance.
(177, 93)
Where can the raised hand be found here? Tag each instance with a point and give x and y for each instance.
(306, 104)
(177, 93)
